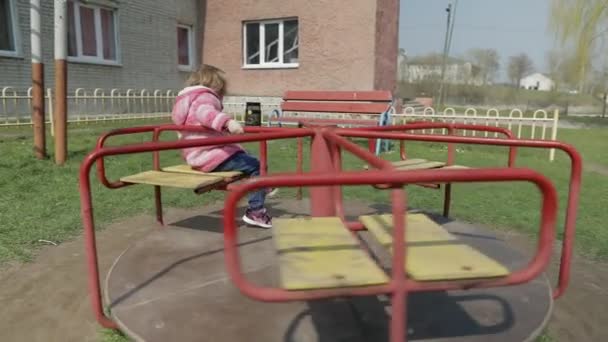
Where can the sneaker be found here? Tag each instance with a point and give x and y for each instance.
(271, 192)
(258, 218)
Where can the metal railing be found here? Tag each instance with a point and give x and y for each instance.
(86, 105)
(542, 124)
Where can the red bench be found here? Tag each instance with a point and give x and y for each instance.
(340, 108)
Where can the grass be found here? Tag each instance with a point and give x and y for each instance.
(40, 201)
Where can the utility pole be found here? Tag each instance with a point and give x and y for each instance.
(445, 54)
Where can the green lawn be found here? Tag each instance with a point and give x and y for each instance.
(40, 201)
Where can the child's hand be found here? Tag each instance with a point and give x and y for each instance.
(234, 127)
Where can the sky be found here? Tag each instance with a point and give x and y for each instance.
(509, 26)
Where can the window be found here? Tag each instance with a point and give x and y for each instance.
(271, 44)
(185, 55)
(9, 34)
(92, 34)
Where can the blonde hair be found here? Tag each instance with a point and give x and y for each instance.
(210, 77)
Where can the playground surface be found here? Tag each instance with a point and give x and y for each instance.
(46, 300)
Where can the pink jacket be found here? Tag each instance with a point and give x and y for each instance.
(201, 106)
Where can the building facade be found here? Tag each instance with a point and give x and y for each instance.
(138, 44)
(265, 47)
(537, 81)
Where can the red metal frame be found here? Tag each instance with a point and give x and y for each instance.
(326, 178)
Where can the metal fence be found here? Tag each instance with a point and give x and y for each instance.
(88, 105)
(85, 105)
(542, 124)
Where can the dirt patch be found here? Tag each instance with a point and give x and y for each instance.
(597, 168)
(47, 300)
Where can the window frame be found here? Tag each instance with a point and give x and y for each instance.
(191, 51)
(262, 43)
(16, 32)
(98, 36)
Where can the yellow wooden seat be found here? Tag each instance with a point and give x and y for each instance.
(188, 169)
(421, 164)
(318, 253)
(417, 164)
(174, 179)
(433, 254)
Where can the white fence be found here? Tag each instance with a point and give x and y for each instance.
(88, 105)
(542, 124)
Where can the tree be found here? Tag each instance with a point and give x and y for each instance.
(581, 23)
(519, 66)
(488, 62)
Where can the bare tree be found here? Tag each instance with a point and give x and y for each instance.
(519, 66)
(488, 62)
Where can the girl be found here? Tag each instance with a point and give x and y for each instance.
(200, 104)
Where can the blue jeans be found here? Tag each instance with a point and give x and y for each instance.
(250, 166)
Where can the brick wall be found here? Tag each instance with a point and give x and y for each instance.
(147, 45)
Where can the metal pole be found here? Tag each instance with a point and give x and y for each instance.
(445, 52)
(322, 203)
(605, 97)
(61, 84)
(38, 114)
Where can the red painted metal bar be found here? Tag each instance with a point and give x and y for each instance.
(398, 325)
(455, 127)
(336, 152)
(300, 164)
(157, 130)
(322, 202)
(573, 192)
(304, 95)
(86, 197)
(534, 268)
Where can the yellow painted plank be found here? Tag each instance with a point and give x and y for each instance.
(455, 167)
(184, 168)
(409, 162)
(433, 253)
(318, 253)
(404, 166)
(172, 179)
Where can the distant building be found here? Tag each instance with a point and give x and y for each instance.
(537, 81)
(428, 68)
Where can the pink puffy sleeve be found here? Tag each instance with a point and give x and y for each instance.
(206, 111)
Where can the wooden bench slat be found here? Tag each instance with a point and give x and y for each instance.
(319, 253)
(321, 121)
(376, 95)
(335, 107)
(188, 169)
(433, 253)
(173, 179)
(419, 165)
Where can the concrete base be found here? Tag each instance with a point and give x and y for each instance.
(172, 286)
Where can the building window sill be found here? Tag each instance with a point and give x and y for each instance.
(185, 68)
(11, 54)
(271, 66)
(77, 60)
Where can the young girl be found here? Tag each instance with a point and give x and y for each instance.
(200, 104)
